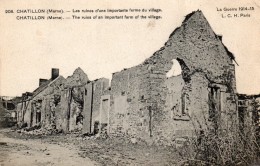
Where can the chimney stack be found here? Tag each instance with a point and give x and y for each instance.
(54, 73)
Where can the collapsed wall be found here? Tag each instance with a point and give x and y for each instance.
(128, 100)
(44, 104)
(249, 119)
(209, 79)
(148, 105)
(56, 104)
(92, 103)
(72, 100)
(68, 105)
(249, 112)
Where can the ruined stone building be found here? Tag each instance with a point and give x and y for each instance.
(249, 112)
(147, 101)
(7, 111)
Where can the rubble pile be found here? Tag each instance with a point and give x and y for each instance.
(37, 130)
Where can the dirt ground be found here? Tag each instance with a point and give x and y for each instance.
(73, 149)
(15, 151)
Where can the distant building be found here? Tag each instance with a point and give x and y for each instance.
(7, 111)
(249, 111)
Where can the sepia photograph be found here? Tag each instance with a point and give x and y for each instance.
(118, 83)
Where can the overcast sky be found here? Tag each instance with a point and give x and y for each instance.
(29, 49)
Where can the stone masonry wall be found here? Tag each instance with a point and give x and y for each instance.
(99, 86)
(87, 108)
(129, 113)
(205, 63)
(196, 47)
(73, 101)
(19, 114)
(47, 103)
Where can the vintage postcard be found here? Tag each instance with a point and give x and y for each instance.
(173, 82)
